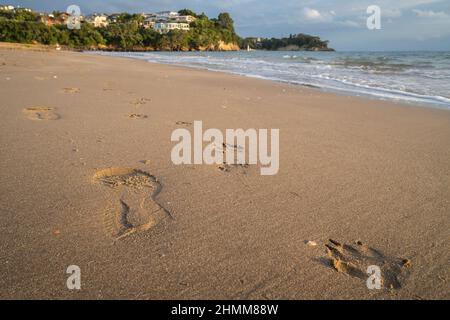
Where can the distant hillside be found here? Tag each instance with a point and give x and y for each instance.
(135, 32)
(123, 32)
(298, 42)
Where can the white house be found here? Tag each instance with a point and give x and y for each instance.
(98, 20)
(164, 27)
(185, 19)
(149, 15)
(166, 15)
(113, 18)
(23, 9)
(7, 8)
(149, 22)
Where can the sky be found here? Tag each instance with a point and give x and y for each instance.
(405, 24)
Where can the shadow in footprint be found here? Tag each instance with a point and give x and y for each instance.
(41, 113)
(354, 261)
(71, 90)
(136, 191)
(183, 123)
(225, 167)
(137, 116)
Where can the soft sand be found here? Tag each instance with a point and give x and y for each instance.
(351, 169)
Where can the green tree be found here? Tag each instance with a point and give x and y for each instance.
(126, 34)
(19, 15)
(123, 36)
(187, 12)
(151, 38)
(86, 37)
(225, 21)
(177, 40)
(127, 18)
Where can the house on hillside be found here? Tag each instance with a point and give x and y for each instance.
(165, 27)
(168, 14)
(98, 20)
(7, 8)
(47, 19)
(185, 19)
(149, 15)
(113, 18)
(23, 9)
(163, 16)
(62, 18)
(149, 22)
(51, 19)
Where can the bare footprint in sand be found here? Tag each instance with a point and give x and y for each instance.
(71, 90)
(137, 209)
(354, 261)
(140, 101)
(137, 116)
(225, 167)
(229, 167)
(41, 113)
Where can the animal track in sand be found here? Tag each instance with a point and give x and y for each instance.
(136, 191)
(137, 116)
(41, 113)
(354, 261)
(71, 90)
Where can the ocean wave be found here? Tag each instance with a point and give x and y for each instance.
(383, 65)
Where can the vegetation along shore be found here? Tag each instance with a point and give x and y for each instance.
(184, 30)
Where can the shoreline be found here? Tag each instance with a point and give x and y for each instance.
(408, 98)
(344, 93)
(370, 174)
(99, 52)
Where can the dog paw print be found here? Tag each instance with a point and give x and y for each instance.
(354, 261)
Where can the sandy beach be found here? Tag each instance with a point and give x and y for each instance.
(85, 141)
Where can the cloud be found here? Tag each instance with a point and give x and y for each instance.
(349, 23)
(430, 14)
(313, 15)
(391, 13)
